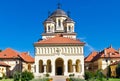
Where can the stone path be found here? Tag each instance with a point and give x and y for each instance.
(59, 78)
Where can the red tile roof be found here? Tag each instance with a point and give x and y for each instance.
(60, 40)
(9, 53)
(110, 52)
(107, 53)
(91, 56)
(26, 57)
(4, 64)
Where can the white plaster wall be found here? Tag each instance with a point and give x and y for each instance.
(66, 53)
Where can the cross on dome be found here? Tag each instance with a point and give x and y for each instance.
(59, 5)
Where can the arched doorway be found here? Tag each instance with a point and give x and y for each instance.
(59, 66)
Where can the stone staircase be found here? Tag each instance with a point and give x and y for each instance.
(59, 78)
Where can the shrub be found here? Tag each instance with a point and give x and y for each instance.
(118, 70)
(16, 76)
(26, 76)
(47, 75)
(88, 75)
(99, 75)
(71, 75)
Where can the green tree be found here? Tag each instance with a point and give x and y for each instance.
(16, 76)
(88, 75)
(0, 50)
(108, 71)
(99, 75)
(118, 70)
(26, 76)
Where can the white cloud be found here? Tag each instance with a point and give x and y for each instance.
(89, 47)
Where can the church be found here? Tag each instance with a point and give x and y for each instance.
(59, 52)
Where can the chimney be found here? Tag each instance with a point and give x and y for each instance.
(111, 46)
(28, 53)
(119, 50)
(105, 51)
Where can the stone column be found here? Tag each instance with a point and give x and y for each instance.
(65, 68)
(74, 69)
(45, 69)
(53, 67)
(37, 67)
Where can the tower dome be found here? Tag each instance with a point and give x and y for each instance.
(69, 20)
(59, 12)
(49, 20)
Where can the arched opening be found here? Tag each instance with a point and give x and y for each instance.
(48, 66)
(29, 67)
(41, 67)
(70, 68)
(59, 66)
(77, 65)
(59, 23)
(49, 29)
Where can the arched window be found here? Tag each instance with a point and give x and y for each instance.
(78, 66)
(29, 67)
(59, 23)
(48, 28)
(41, 67)
(69, 28)
(48, 66)
(70, 68)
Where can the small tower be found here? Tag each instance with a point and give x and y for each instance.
(59, 22)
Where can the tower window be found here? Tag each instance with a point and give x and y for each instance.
(69, 29)
(59, 23)
(48, 28)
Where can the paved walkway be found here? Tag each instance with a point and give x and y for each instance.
(59, 78)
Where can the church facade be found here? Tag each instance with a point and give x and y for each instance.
(59, 52)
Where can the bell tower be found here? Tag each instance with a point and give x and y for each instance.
(58, 22)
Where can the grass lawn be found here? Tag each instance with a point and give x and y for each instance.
(6, 80)
(110, 79)
(114, 79)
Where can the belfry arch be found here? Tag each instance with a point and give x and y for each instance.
(59, 66)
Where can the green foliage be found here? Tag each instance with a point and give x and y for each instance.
(108, 71)
(118, 70)
(88, 75)
(47, 75)
(0, 50)
(99, 75)
(16, 76)
(41, 79)
(26, 76)
(71, 75)
(76, 79)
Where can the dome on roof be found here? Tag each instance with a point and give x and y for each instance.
(49, 20)
(58, 12)
(69, 20)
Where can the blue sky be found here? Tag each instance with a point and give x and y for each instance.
(97, 22)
